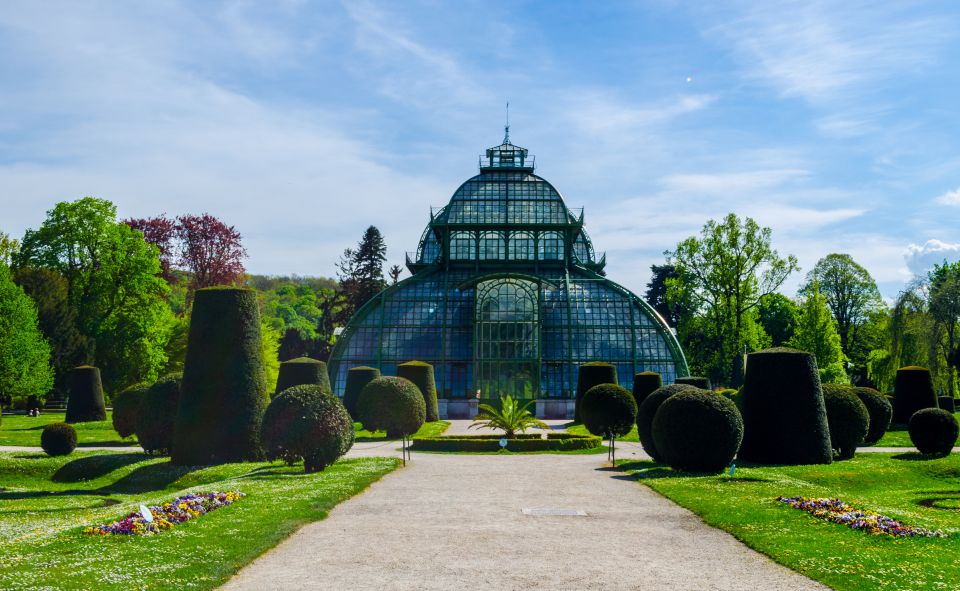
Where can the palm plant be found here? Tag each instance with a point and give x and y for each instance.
(511, 417)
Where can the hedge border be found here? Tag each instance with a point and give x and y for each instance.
(491, 443)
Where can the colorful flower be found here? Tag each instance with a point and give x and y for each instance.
(837, 511)
(167, 515)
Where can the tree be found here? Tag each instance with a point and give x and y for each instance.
(851, 294)
(24, 353)
(9, 247)
(210, 250)
(161, 232)
(725, 273)
(777, 315)
(816, 333)
(395, 272)
(657, 294)
(945, 311)
(361, 271)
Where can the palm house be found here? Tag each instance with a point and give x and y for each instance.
(507, 296)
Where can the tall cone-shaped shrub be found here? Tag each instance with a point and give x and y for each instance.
(644, 383)
(86, 396)
(785, 420)
(912, 391)
(421, 374)
(696, 381)
(303, 371)
(357, 378)
(222, 396)
(592, 374)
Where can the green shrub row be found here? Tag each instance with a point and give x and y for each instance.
(554, 442)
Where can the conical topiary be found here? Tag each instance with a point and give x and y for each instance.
(644, 383)
(222, 396)
(86, 396)
(300, 371)
(421, 374)
(589, 375)
(912, 391)
(696, 381)
(785, 420)
(357, 378)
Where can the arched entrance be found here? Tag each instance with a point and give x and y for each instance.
(507, 339)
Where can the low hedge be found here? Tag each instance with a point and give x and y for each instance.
(520, 443)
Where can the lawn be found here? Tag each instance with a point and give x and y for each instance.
(434, 429)
(45, 502)
(579, 429)
(918, 491)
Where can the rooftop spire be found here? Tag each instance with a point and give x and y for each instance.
(506, 128)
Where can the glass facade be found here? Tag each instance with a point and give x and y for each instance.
(506, 295)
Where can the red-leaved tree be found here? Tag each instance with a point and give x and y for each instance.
(160, 232)
(210, 250)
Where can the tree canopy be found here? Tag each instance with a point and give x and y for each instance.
(24, 353)
(816, 332)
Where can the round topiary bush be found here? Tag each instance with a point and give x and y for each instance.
(589, 375)
(644, 383)
(912, 390)
(933, 431)
(421, 374)
(58, 439)
(697, 431)
(696, 381)
(357, 378)
(392, 404)
(847, 419)
(85, 403)
(302, 370)
(784, 418)
(648, 410)
(158, 414)
(223, 394)
(608, 410)
(947, 403)
(126, 409)
(306, 422)
(880, 411)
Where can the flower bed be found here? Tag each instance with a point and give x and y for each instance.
(518, 443)
(837, 511)
(167, 515)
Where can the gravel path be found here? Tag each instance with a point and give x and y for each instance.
(455, 522)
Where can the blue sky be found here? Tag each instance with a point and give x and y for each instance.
(835, 123)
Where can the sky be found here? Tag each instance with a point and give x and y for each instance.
(302, 123)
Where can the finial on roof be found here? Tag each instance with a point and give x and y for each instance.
(506, 128)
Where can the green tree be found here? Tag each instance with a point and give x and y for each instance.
(361, 271)
(9, 247)
(113, 282)
(777, 314)
(945, 312)
(724, 273)
(816, 332)
(657, 295)
(24, 353)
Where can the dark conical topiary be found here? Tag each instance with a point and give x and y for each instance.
(421, 374)
(648, 410)
(947, 403)
(696, 381)
(934, 431)
(86, 396)
(608, 410)
(847, 418)
(357, 378)
(158, 414)
(912, 390)
(880, 411)
(392, 404)
(589, 375)
(784, 418)
(223, 394)
(697, 431)
(644, 383)
(58, 439)
(126, 409)
(307, 422)
(302, 370)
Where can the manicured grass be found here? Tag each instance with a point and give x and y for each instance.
(897, 436)
(434, 429)
(24, 430)
(909, 487)
(579, 429)
(45, 503)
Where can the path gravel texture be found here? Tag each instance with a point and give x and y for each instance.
(456, 522)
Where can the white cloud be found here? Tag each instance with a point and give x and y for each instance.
(950, 197)
(921, 258)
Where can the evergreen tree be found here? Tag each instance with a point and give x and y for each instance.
(361, 271)
(24, 353)
(657, 294)
(816, 332)
(395, 272)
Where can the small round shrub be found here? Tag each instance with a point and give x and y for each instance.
(392, 404)
(58, 439)
(158, 414)
(696, 381)
(847, 418)
(306, 422)
(933, 431)
(912, 390)
(608, 410)
(126, 409)
(648, 409)
(697, 431)
(85, 403)
(589, 375)
(302, 370)
(421, 374)
(947, 403)
(644, 383)
(880, 411)
(357, 378)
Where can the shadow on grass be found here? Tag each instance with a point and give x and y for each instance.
(650, 470)
(92, 467)
(37, 494)
(149, 478)
(915, 456)
(107, 443)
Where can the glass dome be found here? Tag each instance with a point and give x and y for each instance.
(506, 295)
